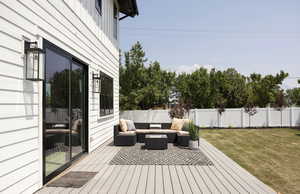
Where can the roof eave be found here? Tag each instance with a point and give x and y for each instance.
(128, 7)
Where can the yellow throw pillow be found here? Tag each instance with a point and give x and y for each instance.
(123, 125)
(177, 124)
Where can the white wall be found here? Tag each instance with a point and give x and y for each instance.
(234, 118)
(74, 26)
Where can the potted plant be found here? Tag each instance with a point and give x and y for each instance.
(194, 136)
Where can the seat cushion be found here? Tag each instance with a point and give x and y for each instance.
(142, 130)
(123, 125)
(127, 133)
(155, 131)
(182, 133)
(162, 131)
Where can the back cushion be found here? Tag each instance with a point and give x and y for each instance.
(123, 125)
(155, 126)
(130, 125)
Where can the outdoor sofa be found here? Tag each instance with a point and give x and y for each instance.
(129, 138)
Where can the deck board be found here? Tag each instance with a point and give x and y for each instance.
(183, 181)
(142, 184)
(168, 188)
(225, 176)
(132, 187)
(190, 180)
(246, 180)
(159, 183)
(151, 180)
(126, 180)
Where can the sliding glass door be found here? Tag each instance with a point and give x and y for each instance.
(78, 108)
(64, 110)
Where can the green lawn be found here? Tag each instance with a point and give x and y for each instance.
(272, 155)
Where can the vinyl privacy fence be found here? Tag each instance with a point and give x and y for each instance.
(231, 118)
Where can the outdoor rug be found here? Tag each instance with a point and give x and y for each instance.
(73, 179)
(137, 155)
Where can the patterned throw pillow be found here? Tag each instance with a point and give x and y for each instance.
(123, 125)
(130, 125)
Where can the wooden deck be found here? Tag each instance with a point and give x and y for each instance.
(225, 176)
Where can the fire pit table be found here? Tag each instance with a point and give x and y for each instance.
(156, 142)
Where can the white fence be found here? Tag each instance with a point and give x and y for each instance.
(231, 118)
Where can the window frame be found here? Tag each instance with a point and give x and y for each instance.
(106, 100)
(98, 6)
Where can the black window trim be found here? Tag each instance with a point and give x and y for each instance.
(98, 5)
(106, 99)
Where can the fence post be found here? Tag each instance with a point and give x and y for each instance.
(291, 116)
(219, 119)
(242, 118)
(268, 116)
(195, 117)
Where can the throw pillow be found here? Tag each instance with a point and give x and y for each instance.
(123, 125)
(177, 124)
(130, 125)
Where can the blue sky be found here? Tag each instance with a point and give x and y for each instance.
(260, 36)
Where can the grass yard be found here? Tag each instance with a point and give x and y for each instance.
(272, 155)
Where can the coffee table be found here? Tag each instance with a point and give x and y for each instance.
(156, 142)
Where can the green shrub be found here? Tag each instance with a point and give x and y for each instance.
(193, 131)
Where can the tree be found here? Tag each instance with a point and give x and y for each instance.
(143, 87)
(195, 87)
(213, 89)
(280, 103)
(265, 88)
(232, 87)
(146, 85)
(250, 106)
(132, 77)
(157, 90)
(293, 96)
(221, 104)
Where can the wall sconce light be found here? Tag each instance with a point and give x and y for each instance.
(96, 83)
(35, 61)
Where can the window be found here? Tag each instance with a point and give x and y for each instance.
(116, 14)
(106, 95)
(99, 6)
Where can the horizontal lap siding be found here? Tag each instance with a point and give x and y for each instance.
(74, 26)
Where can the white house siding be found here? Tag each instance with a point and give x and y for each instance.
(74, 26)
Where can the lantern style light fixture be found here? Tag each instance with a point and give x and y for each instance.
(96, 83)
(35, 61)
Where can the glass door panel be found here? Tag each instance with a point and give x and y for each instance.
(56, 120)
(78, 109)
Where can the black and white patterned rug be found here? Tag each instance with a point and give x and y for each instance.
(137, 155)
